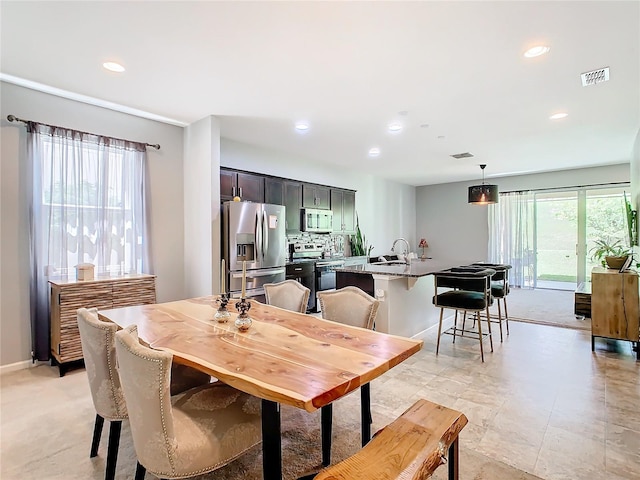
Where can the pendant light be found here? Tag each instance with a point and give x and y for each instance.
(483, 194)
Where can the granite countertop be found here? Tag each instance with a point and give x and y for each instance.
(301, 260)
(417, 268)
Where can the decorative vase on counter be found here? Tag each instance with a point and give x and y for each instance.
(423, 244)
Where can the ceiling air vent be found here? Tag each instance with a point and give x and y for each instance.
(596, 76)
(462, 155)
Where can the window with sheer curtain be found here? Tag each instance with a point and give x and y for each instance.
(511, 236)
(87, 206)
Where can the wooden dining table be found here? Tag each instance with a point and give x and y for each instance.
(283, 358)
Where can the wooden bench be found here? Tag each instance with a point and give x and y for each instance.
(409, 448)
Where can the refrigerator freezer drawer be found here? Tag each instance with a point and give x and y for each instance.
(256, 278)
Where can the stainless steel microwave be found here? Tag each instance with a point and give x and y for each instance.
(314, 220)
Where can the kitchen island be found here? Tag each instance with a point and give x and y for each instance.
(405, 292)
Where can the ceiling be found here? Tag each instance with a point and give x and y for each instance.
(452, 73)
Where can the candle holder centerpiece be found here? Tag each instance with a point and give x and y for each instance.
(243, 320)
(222, 315)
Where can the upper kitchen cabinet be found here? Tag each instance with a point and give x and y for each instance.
(343, 205)
(293, 203)
(315, 196)
(274, 191)
(247, 186)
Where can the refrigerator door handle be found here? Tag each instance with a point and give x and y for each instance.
(260, 273)
(258, 235)
(265, 234)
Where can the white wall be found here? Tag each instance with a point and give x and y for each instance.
(202, 207)
(458, 231)
(386, 209)
(166, 200)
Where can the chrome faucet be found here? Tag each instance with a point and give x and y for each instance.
(406, 258)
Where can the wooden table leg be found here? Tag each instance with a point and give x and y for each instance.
(271, 441)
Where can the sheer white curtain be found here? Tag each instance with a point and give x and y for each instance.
(87, 206)
(511, 236)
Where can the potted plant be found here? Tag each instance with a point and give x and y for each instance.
(358, 242)
(611, 254)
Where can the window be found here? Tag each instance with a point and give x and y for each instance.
(91, 206)
(87, 206)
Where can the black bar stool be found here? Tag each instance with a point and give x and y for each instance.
(468, 290)
(499, 289)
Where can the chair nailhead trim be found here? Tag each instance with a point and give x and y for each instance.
(162, 412)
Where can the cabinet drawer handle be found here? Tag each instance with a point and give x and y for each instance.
(297, 269)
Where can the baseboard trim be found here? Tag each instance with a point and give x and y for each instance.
(421, 333)
(14, 367)
(551, 324)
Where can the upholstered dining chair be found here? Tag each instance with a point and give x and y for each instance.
(350, 306)
(468, 289)
(499, 289)
(98, 348)
(288, 294)
(193, 433)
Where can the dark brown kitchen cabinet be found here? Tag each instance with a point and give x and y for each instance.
(247, 186)
(274, 191)
(293, 203)
(343, 205)
(316, 196)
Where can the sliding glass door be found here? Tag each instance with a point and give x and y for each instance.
(567, 225)
(556, 237)
(605, 219)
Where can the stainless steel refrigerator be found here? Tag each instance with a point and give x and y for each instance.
(255, 233)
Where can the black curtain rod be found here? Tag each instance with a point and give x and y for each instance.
(569, 187)
(13, 118)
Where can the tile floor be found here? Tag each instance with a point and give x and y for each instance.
(542, 402)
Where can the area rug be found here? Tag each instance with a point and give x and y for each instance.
(301, 452)
(545, 307)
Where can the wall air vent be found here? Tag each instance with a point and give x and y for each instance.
(595, 76)
(462, 155)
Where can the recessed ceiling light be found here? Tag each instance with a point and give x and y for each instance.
(113, 67)
(536, 51)
(395, 127)
(440, 137)
(302, 126)
(374, 152)
(558, 116)
(424, 125)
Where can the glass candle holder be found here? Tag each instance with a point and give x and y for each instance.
(243, 321)
(222, 315)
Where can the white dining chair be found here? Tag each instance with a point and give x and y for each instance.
(288, 294)
(98, 348)
(190, 434)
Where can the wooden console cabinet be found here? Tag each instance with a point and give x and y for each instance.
(68, 295)
(614, 306)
